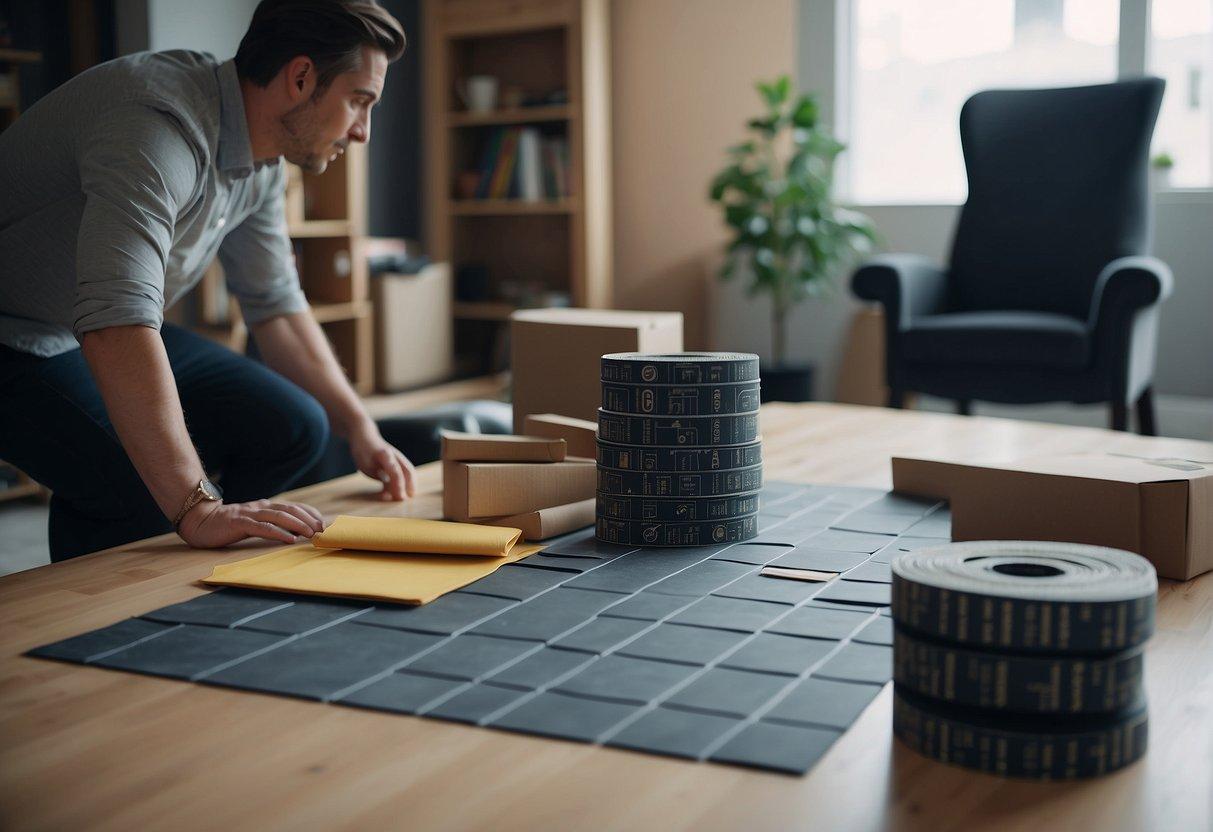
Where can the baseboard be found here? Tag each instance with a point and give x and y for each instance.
(1181, 417)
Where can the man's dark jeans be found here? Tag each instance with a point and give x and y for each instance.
(256, 431)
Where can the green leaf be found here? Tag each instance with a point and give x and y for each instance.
(783, 86)
(806, 112)
(766, 126)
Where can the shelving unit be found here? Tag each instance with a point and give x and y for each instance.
(326, 220)
(552, 52)
(10, 82)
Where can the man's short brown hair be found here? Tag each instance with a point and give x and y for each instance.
(330, 32)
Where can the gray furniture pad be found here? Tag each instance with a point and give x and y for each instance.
(688, 652)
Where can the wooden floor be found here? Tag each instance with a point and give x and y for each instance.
(91, 748)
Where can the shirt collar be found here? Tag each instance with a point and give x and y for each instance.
(235, 155)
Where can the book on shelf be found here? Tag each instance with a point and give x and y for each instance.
(519, 163)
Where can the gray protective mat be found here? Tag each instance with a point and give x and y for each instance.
(686, 652)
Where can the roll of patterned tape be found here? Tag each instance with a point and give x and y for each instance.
(684, 431)
(682, 510)
(690, 484)
(1019, 682)
(640, 533)
(1026, 596)
(681, 399)
(680, 368)
(1037, 747)
(677, 459)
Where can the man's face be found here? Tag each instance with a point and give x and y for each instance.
(318, 130)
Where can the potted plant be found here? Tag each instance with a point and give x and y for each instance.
(1161, 166)
(789, 236)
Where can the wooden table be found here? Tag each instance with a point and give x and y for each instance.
(90, 748)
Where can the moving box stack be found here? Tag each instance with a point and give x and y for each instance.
(679, 455)
(1022, 659)
(530, 483)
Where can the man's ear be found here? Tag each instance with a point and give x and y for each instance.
(300, 77)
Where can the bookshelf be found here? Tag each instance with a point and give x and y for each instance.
(550, 59)
(10, 82)
(326, 221)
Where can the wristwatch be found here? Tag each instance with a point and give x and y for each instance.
(205, 490)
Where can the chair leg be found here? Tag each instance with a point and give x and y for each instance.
(1145, 413)
(964, 407)
(897, 399)
(1120, 416)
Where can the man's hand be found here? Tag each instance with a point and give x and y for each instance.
(210, 525)
(379, 460)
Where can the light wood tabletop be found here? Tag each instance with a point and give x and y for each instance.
(84, 747)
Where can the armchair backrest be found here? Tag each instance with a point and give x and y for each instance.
(1058, 188)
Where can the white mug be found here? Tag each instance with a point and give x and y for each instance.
(479, 93)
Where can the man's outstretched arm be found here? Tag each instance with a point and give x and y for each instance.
(295, 346)
(132, 372)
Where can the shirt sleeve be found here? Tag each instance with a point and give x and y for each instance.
(257, 259)
(137, 173)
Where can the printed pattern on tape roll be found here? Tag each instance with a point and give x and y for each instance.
(681, 399)
(689, 431)
(638, 533)
(680, 368)
(725, 458)
(677, 484)
(1026, 596)
(683, 510)
(1041, 748)
(1017, 682)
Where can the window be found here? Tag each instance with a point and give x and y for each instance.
(1181, 51)
(914, 62)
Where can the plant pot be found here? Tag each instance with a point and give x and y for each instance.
(787, 382)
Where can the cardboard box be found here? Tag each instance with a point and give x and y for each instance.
(580, 435)
(1160, 508)
(476, 490)
(479, 447)
(549, 522)
(414, 335)
(556, 354)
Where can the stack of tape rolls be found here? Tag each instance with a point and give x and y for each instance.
(679, 456)
(1022, 659)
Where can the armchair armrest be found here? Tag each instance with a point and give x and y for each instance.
(1124, 322)
(1126, 285)
(907, 285)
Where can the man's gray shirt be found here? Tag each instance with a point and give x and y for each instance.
(118, 189)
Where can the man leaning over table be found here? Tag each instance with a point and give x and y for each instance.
(116, 192)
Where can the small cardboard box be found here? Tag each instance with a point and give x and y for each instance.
(1161, 508)
(475, 490)
(476, 447)
(581, 435)
(556, 354)
(549, 522)
(414, 335)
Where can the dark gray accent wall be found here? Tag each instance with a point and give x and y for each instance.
(395, 186)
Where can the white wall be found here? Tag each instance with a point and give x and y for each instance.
(214, 26)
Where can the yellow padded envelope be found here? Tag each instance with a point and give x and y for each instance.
(411, 534)
(434, 558)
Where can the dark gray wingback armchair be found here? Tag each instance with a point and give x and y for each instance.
(1050, 294)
